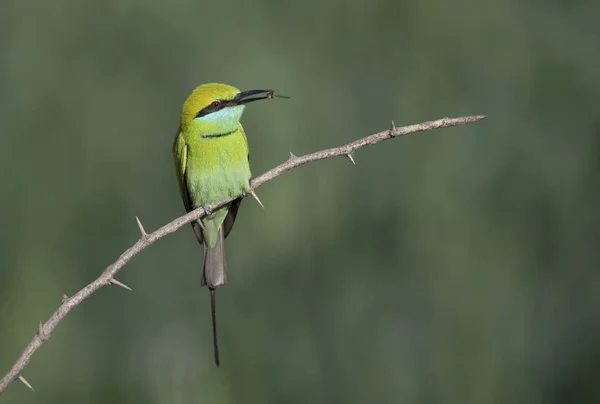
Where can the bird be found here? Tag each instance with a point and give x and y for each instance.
(212, 162)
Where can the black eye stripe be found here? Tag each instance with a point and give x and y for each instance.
(210, 108)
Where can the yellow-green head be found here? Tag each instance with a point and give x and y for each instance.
(217, 107)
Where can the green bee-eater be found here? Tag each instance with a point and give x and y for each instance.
(211, 158)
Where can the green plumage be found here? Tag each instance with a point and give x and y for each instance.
(211, 170)
(212, 160)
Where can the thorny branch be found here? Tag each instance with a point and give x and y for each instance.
(108, 276)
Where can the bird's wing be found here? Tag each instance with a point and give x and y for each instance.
(231, 215)
(180, 154)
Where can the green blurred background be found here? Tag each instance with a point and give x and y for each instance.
(455, 266)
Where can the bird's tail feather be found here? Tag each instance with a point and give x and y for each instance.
(214, 272)
(214, 325)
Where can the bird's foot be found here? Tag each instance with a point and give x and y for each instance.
(207, 210)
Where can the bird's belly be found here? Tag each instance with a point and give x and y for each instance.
(217, 172)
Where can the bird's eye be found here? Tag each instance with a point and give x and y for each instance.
(216, 104)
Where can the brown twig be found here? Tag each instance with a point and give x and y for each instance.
(146, 239)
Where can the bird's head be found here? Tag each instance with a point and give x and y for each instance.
(218, 107)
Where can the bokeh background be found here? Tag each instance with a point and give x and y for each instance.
(455, 266)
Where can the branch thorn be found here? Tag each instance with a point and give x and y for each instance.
(392, 129)
(113, 281)
(253, 193)
(65, 298)
(292, 156)
(349, 155)
(25, 382)
(141, 227)
(41, 333)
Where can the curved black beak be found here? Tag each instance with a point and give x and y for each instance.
(247, 96)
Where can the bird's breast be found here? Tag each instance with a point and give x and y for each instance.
(217, 168)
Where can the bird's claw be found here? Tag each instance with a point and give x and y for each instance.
(207, 210)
